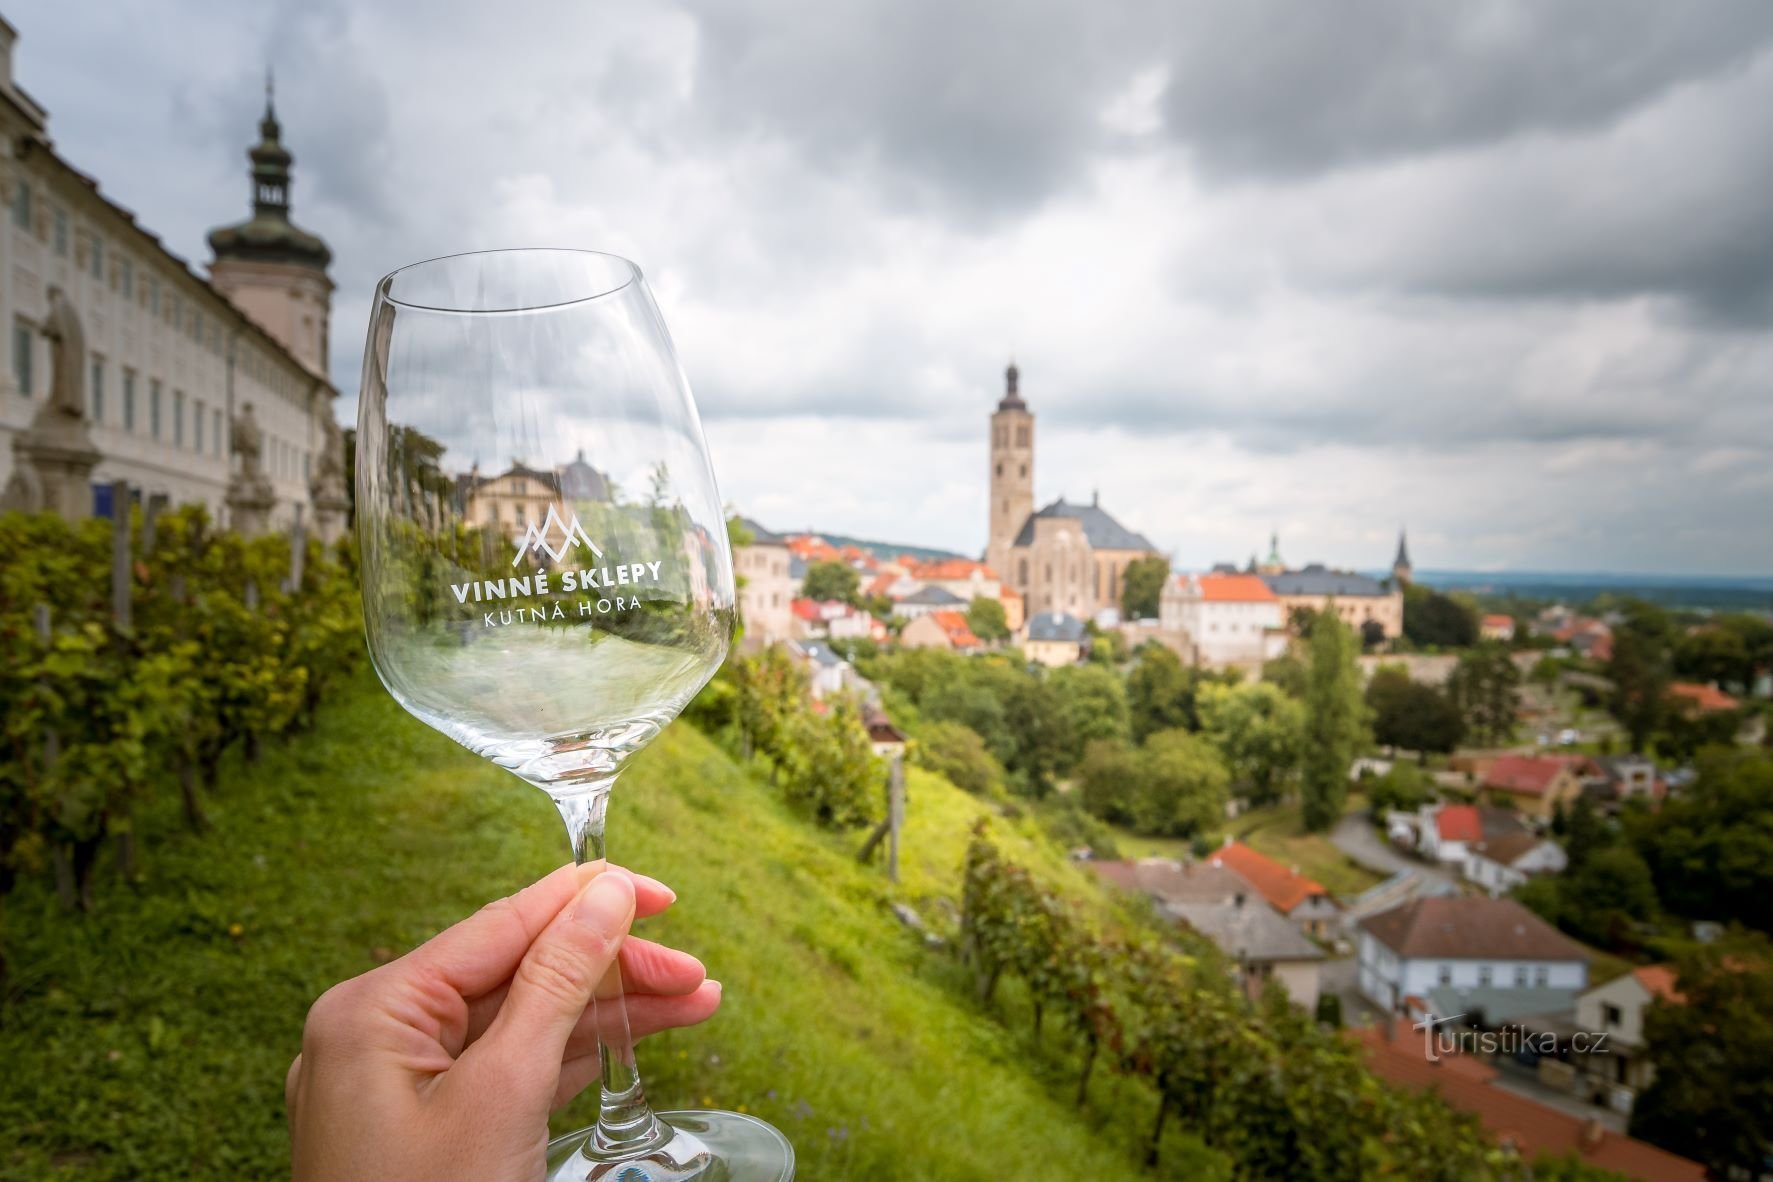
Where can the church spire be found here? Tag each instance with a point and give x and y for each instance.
(1400, 566)
(1012, 396)
(269, 235)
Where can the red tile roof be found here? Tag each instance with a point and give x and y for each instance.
(1530, 1128)
(960, 633)
(951, 570)
(1707, 699)
(1659, 979)
(1219, 588)
(1527, 775)
(806, 609)
(1498, 621)
(1284, 889)
(1459, 822)
(1468, 927)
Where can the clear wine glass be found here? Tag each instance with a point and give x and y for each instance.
(546, 580)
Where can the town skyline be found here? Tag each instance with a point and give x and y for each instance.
(1578, 394)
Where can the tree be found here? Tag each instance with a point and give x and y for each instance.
(1405, 788)
(1434, 620)
(1160, 692)
(957, 752)
(1641, 668)
(1372, 635)
(1142, 586)
(1287, 672)
(1712, 654)
(1335, 720)
(1712, 1096)
(987, 620)
(1095, 702)
(1485, 687)
(1105, 780)
(1611, 891)
(829, 580)
(1173, 786)
(1410, 715)
(1710, 848)
(1258, 731)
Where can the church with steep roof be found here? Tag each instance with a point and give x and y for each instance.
(1065, 557)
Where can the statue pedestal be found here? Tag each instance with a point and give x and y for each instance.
(250, 501)
(60, 464)
(331, 510)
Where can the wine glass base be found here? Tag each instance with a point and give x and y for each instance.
(704, 1146)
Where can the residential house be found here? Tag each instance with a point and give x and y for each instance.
(766, 588)
(1497, 627)
(1615, 779)
(1692, 697)
(1221, 904)
(1303, 901)
(926, 600)
(1403, 887)
(1616, 1072)
(1445, 833)
(1513, 1121)
(961, 577)
(1537, 785)
(1054, 639)
(1506, 862)
(941, 629)
(1230, 619)
(1465, 942)
(827, 672)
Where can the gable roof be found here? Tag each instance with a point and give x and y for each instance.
(1659, 980)
(1470, 927)
(1705, 698)
(1458, 822)
(960, 633)
(1508, 848)
(1217, 587)
(1284, 888)
(1102, 531)
(761, 536)
(1528, 775)
(939, 596)
(948, 570)
(1247, 931)
(1317, 580)
(1056, 626)
(1176, 882)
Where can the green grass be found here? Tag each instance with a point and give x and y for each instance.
(150, 1039)
(1277, 831)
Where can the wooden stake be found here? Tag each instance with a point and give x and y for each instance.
(121, 574)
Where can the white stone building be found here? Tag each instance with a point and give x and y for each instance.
(1465, 942)
(1230, 619)
(169, 358)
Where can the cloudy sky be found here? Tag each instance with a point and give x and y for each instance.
(1499, 271)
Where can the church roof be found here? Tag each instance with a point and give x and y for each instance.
(1315, 580)
(1403, 551)
(1102, 530)
(1059, 626)
(268, 236)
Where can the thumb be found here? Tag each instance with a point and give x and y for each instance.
(558, 975)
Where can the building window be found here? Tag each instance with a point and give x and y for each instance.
(517, 510)
(24, 348)
(98, 257)
(520, 488)
(98, 389)
(21, 206)
(1610, 1015)
(1445, 974)
(1000, 469)
(178, 418)
(197, 426)
(1541, 976)
(216, 439)
(305, 476)
(1022, 435)
(153, 295)
(154, 407)
(197, 325)
(129, 400)
(61, 233)
(126, 278)
(1520, 976)
(1484, 975)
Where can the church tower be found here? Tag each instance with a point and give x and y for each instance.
(1012, 472)
(270, 269)
(1400, 566)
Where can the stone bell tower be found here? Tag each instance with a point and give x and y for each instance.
(1012, 472)
(272, 270)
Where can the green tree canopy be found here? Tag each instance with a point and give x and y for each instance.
(987, 620)
(1160, 691)
(1710, 847)
(1410, 715)
(1173, 786)
(832, 580)
(956, 751)
(1485, 688)
(1641, 669)
(1433, 619)
(1259, 732)
(1335, 720)
(1142, 586)
(1095, 702)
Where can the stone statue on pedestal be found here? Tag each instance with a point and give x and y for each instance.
(331, 504)
(55, 456)
(250, 496)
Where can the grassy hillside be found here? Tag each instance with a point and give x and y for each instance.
(151, 1038)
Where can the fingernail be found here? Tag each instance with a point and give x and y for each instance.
(607, 905)
(649, 880)
(718, 987)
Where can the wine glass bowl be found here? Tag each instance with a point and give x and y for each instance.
(546, 576)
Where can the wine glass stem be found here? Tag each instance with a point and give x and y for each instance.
(625, 1123)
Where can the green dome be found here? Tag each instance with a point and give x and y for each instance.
(268, 236)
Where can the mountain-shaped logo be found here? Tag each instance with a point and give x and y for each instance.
(571, 533)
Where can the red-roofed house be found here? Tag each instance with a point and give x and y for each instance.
(960, 576)
(1497, 627)
(1529, 1128)
(941, 629)
(1537, 785)
(1229, 619)
(1700, 699)
(1620, 1070)
(1453, 831)
(1300, 899)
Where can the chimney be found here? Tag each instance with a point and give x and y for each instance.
(1592, 1132)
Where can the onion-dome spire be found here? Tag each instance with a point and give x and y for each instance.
(1012, 397)
(269, 236)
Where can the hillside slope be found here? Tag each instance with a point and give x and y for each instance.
(150, 1039)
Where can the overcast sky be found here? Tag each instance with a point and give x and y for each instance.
(1498, 271)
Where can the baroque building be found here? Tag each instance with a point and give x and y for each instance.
(1067, 558)
(124, 364)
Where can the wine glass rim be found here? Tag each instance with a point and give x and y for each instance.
(384, 285)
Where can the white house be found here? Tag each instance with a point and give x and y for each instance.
(1466, 942)
(927, 600)
(1500, 864)
(1619, 1070)
(1229, 619)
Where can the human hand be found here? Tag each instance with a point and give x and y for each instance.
(444, 1064)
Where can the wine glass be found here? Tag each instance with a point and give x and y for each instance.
(546, 580)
